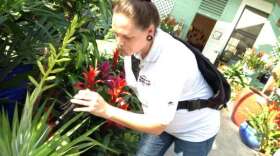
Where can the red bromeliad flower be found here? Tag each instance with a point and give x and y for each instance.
(89, 78)
(116, 85)
(116, 58)
(124, 106)
(113, 84)
(105, 70)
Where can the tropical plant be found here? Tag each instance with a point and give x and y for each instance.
(107, 78)
(252, 60)
(30, 135)
(26, 29)
(97, 17)
(27, 26)
(248, 71)
(235, 74)
(235, 77)
(267, 128)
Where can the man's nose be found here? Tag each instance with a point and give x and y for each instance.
(120, 42)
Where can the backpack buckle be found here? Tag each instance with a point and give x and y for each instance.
(192, 105)
(195, 104)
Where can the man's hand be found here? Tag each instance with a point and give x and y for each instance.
(91, 102)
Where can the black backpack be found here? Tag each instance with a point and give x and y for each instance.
(214, 78)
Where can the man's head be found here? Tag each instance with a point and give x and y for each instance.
(134, 23)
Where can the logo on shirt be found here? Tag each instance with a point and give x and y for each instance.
(170, 103)
(143, 79)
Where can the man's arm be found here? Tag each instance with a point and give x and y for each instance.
(93, 103)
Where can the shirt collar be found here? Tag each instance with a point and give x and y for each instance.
(154, 52)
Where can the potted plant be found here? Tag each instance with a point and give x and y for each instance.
(267, 131)
(248, 101)
(244, 98)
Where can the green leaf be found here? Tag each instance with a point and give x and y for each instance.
(5, 134)
(58, 70)
(70, 40)
(275, 135)
(41, 68)
(84, 137)
(33, 81)
(63, 60)
(51, 59)
(84, 147)
(70, 31)
(49, 86)
(66, 53)
(57, 138)
(44, 29)
(50, 78)
(40, 126)
(15, 129)
(66, 125)
(52, 50)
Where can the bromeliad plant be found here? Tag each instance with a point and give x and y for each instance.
(107, 78)
(30, 134)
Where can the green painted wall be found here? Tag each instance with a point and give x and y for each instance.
(185, 10)
(230, 10)
(273, 18)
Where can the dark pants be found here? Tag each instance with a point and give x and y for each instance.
(157, 145)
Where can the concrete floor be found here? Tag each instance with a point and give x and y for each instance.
(227, 142)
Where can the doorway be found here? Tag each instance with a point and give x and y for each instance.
(200, 31)
(244, 34)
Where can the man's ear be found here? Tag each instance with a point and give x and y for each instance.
(151, 30)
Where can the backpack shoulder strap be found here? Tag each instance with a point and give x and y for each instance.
(215, 80)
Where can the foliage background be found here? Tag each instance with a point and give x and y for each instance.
(27, 28)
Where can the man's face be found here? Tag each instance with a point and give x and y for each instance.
(130, 39)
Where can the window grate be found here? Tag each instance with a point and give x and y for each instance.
(164, 7)
(213, 8)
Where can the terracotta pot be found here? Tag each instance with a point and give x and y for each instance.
(247, 101)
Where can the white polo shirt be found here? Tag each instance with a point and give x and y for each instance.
(168, 74)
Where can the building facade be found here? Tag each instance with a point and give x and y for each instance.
(219, 27)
